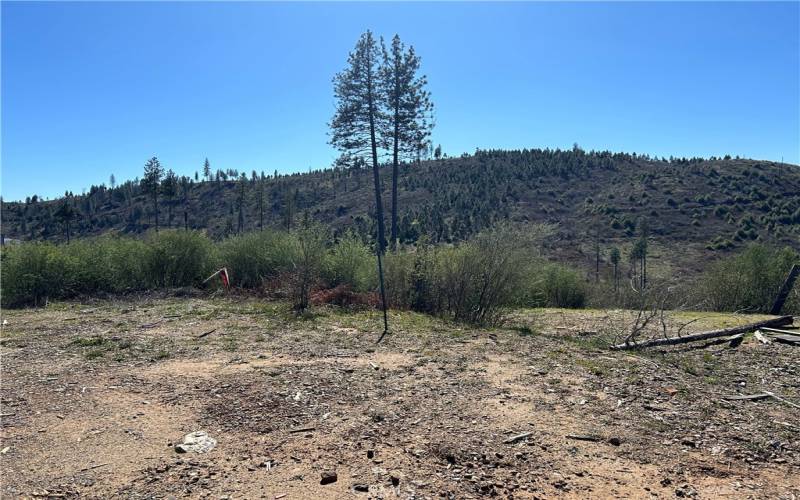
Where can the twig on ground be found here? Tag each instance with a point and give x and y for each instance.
(151, 325)
(581, 437)
(759, 396)
(304, 429)
(205, 333)
(518, 437)
(93, 467)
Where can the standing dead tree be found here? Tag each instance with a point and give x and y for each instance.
(783, 293)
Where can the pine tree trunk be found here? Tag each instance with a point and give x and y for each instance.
(597, 264)
(155, 208)
(395, 167)
(378, 203)
(644, 270)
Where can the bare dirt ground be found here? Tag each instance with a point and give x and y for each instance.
(96, 395)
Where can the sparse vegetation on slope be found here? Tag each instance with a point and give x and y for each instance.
(696, 210)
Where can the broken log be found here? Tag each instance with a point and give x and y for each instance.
(770, 331)
(761, 338)
(786, 339)
(725, 332)
(783, 293)
(737, 340)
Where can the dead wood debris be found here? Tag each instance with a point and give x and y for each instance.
(204, 334)
(584, 437)
(518, 437)
(151, 325)
(759, 396)
(725, 332)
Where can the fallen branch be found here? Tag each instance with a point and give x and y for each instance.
(735, 341)
(725, 332)
(774, 396)
(205, 333)
(581, 437)
(518, 437)
(747, 397)
(304, 429)
(151, 325)
(759, 396)
(93, 467)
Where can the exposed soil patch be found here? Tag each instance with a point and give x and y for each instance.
(93, 404)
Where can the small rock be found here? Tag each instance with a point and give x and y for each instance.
(329, 477)
(198, 441)
(395, 480)
(615, 441)
(361, 487)
(370, 453)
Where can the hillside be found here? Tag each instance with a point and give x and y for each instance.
(693, 209)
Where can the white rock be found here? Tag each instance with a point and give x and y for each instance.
(197, 441)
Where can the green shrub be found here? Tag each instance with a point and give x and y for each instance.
(308, 254)
(350, 262)
(413, 280)
(253, 257)
(127, 261)
(748, 281)
(563, 287)
(398, 275)
(478, 280)
(32, 273)
(474, 282)
(87, 268)
(177, 258)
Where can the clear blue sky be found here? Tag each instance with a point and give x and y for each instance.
(97, 88)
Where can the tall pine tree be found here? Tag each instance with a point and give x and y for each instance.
(153, 171)
(409, 111)
(170, 190)
(207, 170)
(356, 123)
